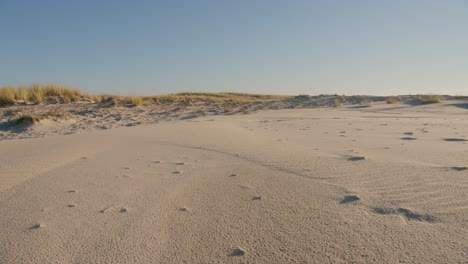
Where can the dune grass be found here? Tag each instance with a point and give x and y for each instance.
(31, 118)
(213, 97)
(392, 99)
(57, 94)
(51, 93)
(10, 95)
(7, 96)
(366, 103)
(430, 99)
(337, 103)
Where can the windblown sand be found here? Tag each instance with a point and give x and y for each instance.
(385, 184)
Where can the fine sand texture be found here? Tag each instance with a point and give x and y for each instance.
(380, 184)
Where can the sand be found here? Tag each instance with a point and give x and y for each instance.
(384, 184)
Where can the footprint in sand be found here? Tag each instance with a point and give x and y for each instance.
(122, 210)
(126, 168)
(157, 161)
(407, 213)
(71, 191)
(106, 210)
(36, 226)
(71, 205)
(408, 133)
(180, 163)
(459, 168)
(256, 198)
(237, 252)
(356, 158)
(350, 198)
(455, 139)
(177, 172)
(408, 138)
(245, 187)
(233, 175)
(183, 209)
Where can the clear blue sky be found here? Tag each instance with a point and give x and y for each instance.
(270, 46)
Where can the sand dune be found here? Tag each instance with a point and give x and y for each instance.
(381, 184)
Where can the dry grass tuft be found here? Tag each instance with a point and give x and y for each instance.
(392, 99)
(430, 99)
(7, 96)
(336, 103)
(33, 118)
(366, 103)
(133, 100)
(27, 119)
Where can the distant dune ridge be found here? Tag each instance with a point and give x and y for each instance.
(232, 178)
(67, 110)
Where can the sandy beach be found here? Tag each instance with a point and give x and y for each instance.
(380, 184)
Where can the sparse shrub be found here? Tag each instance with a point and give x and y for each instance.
(366, 103)
(227, 109)
(133, 100)
(54, 114)
(302, 97)
(430, 99)
(27, 119)
(392, 99)
(114, 101)
(33, 118)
